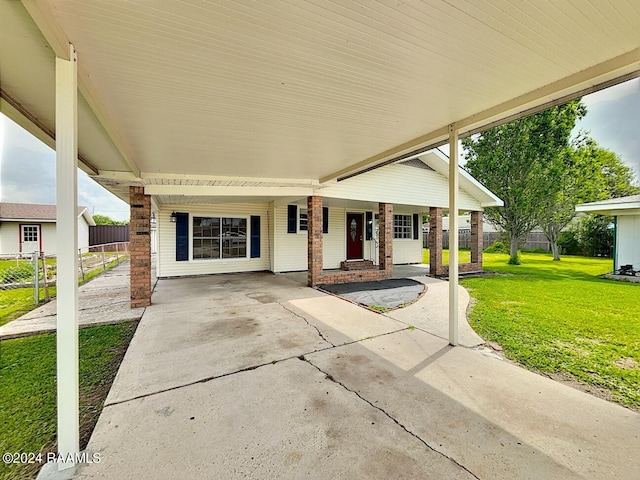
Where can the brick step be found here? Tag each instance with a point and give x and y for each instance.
(348, 265)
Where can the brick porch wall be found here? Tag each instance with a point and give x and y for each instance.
(140, 247)
(435, 241)
(314, 240)
(385, 238)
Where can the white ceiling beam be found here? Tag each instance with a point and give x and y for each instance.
(116, 175)
(227, 191)
(16, 113)
(220, 178)
(597, 77)
(44, 19)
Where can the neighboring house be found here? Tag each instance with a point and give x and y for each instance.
(216, 235)
(27, 227)
(626, 211)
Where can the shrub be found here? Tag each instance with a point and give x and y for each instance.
(497, 247)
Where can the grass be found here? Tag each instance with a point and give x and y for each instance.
(562, 319)
(16, 302)
(464, 256)
(28, 389)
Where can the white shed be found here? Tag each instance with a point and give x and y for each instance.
(27, 227)
(626, 211)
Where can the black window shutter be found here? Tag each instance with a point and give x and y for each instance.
(369, 222)
(182, 237)
(255, 236)
(292, 218)
(325, 219)
(416, 227)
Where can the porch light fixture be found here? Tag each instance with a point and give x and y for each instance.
(174, 217)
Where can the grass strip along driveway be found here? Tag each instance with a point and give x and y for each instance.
(562, 319)
(28, 390)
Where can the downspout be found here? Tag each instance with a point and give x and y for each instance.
(615, 244)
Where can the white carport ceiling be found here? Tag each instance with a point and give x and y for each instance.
(306, 90)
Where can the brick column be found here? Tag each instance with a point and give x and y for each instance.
(476, 238)
(435, 241)
(385, 237)
(314, 240)
(140, 247)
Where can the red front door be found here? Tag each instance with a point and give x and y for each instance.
(355, 223)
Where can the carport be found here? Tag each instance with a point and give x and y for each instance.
(190, 100)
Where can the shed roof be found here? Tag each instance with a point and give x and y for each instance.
(35, 211)
(629, 205)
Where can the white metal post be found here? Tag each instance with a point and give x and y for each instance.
(453, 235)
(67, 240)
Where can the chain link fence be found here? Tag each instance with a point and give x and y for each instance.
(35, 273)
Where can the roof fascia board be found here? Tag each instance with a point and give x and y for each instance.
(597, 77)
(603, 207)
(44, 19)
(227, 191)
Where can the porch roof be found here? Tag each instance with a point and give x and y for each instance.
(629, 205)
(300, 93)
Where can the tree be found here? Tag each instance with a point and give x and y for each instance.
(515, 161)
(584, 172)
(105, 220)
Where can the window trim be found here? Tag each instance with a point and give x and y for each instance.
(247, 219)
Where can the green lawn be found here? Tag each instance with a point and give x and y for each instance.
(464, 256)
(28, 391)
(561, 318)
(16, 302)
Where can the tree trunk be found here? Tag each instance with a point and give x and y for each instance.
(554, 250)
(513, 249)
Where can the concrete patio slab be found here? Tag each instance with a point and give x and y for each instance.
(493, 417)
(309, 385)
(279, 421)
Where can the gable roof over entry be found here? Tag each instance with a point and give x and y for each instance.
(301, 91)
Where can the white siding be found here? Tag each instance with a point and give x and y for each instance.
(408, 250)
(290, 252)
(167, 265)
(400, 185)
(9, 238)
(628, 240)
(49, 240)
(83, 233)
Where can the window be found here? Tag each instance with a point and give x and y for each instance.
(29, 233)
(303, 220)
(402, 226)
(219, 237)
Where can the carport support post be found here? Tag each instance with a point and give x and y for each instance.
(314, 240)
(67, 239)
(453, 235)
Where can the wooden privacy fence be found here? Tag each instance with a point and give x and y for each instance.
(534, 240)
(101, 234)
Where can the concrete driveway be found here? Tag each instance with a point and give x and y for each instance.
(256, 376)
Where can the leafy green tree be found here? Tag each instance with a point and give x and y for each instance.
(105, 220)
(516, 160)
(582, 173)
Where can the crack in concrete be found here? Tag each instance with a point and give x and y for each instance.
(329, 377)
(247, 369)
(307, 322)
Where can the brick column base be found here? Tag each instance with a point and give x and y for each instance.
(140, 247)
(435, 241)
(314, 240)
(385, 237)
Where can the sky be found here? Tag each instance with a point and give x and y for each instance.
(28, 174)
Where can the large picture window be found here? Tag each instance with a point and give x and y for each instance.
(219, 237)
(402, 226)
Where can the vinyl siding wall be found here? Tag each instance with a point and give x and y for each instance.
(167, 265)
(9, 238)
(291, 248)
(628, 239)
(400, 185)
